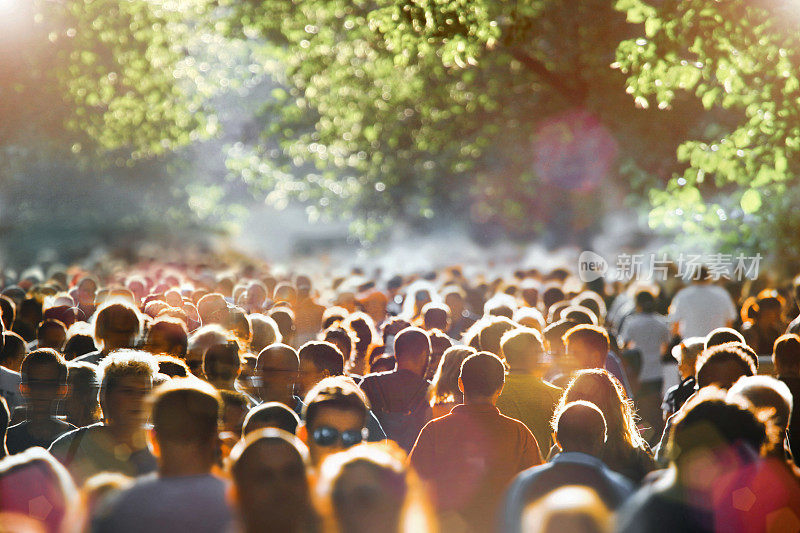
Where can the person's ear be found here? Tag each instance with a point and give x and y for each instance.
(63, 390)
(153, 441)
(460, 385)
(24, 389)
(232, 495)
(497, 394)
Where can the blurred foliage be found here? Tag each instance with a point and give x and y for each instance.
(420, 110)
(738, 187)
(415, 109)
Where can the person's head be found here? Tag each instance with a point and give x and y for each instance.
(116, 326)
(723, 365)
(185, 416)
(482, 378)
(234, 411)
(772, 401)
(13, 351)
(35, 485)
(768, 308)
(80, 341)
(200, 341)
(318, 360)
(600, 388)
(445, 381)
(222, 363)
(587, 346)
(8, 311)
(363, 328)
(707, 435)
(264, 332)
(686, 354)
(270, 486)
(270, 415)
(786, 355)
(51, 333)
(436, 316)
(370, 489)
(81, 403)
(335, 413)
(412, 349)
(213, 309)
(284, 318)
(126, 378)
(721, 336)
(579, 315)
(239, 325)
(645, 301)
(172, 366)
(168, 336)
(44, 380)
(492, 332)
(529, 317)
(277, 367)
(523, 350)
(579, 426)
(568, 508)
(344, 339)
(553, 337)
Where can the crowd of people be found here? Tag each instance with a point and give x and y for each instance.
(219, 397)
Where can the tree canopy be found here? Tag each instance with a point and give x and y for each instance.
(504, 115)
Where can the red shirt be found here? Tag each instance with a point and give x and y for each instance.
(469, 457)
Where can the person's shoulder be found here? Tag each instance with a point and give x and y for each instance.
(65, 439)
(17, 428)
(9, 378)
(91, 357)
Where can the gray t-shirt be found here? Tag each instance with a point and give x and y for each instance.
(9, 387)
(193, 504)
(647, 332)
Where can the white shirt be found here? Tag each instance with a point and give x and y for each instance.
(647, 332)
(699, 309)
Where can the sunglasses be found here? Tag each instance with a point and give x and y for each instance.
(328, 436)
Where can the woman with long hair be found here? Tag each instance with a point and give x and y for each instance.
(445, 393)
(625, 450)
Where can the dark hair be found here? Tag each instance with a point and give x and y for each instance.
(723, 336)
(222, 360)
(435, 316)
(13, 347)
(172, 366)
(337, 334)
(274, 414)
(185, 411)
(324, 356)
(78, 344)
(8, 311)
(786, 355)
(412, 343)
(482, 374)
(708, 421)
(50, 324)
(645, 301)
(336, 392)
(725, 353)
(44, 356)
(174, 332)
